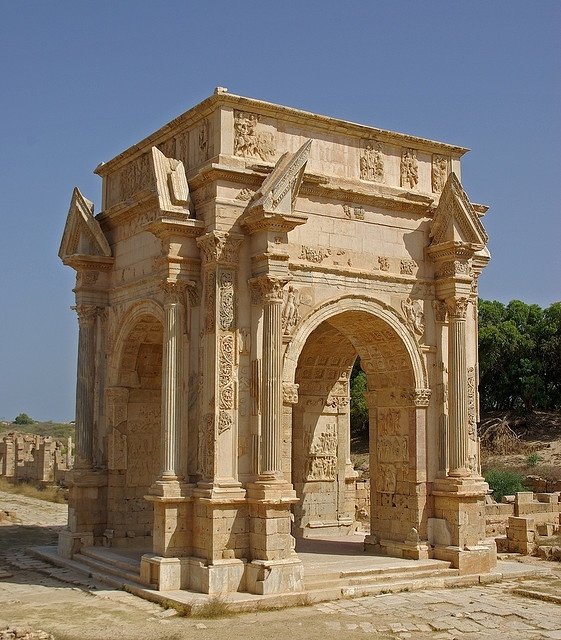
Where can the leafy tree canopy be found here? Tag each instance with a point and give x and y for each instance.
(519, 356)
(23, 418)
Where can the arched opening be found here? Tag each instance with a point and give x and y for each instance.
(134, 433)
(322, 471)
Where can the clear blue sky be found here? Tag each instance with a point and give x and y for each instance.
(81, 81)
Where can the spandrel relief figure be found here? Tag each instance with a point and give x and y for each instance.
(414, 316)
(247, 141)
(289, 311)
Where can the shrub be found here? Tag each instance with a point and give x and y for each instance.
(504, 483)
(533, 459)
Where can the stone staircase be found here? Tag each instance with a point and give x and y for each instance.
(378, 579)
(109, 566)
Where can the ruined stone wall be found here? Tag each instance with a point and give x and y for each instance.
(35, 458)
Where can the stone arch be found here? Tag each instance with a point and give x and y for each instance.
(134, 424)
(319, 361)
(357, 303)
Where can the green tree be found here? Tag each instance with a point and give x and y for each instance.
(23, 418)
(359, 408)
(519, 356)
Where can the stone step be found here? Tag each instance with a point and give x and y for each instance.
(375, 578)
(101, 570)
(107, 556)
(378, 572)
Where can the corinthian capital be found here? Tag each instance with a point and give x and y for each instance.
(174, 291)
(457, 308)
(267, 288)
(220, 247)
(87, 313)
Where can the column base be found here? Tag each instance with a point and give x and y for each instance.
(265, 577)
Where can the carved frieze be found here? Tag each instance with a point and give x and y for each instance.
(245, 195)
(388, 421)
(454, 268)
(322, 452)
(409, 169)
(225, 422)
(383, 263)
(372, 162)
(393, 449)
(314, 254)
(387, 478)
(407, 267)
(248, 142)
(85, 278)
(353, 212)
(321, 469)
(414, 316)
(439, 172)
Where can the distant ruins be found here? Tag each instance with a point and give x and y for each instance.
(245, 254)
(35, 458)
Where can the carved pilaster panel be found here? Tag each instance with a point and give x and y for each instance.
(226, 372)
(226, 311)
(440, 310)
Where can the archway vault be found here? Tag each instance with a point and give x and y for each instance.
(368, 324)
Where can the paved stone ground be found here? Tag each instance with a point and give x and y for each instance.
(73, 607)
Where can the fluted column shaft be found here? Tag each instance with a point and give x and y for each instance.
(458, 398)
(172, 376)
(85, 386)
(271, 389)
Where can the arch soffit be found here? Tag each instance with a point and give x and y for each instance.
(127, 323)
(372, 307)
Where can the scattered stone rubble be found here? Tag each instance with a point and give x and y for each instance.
(21, 633)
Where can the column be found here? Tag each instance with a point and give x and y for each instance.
(271, 388)
(172, 379)
(85, 385)
(458, 394)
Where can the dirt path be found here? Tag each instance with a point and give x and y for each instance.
(73, 607)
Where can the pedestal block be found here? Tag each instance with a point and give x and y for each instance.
(87, 511)
(457, 530)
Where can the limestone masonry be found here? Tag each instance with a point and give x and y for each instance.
(245, 254)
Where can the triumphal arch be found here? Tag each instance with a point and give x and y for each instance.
(245, 254)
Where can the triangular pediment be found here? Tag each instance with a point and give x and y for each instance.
(82, 234)
(280, 188)
(171, 183)
(455, 219)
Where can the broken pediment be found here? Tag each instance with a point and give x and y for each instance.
(171, 183)
(455, 220)
(279, 190)
(82, 236)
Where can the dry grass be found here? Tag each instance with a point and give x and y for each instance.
(49, 494)
(214, 608)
